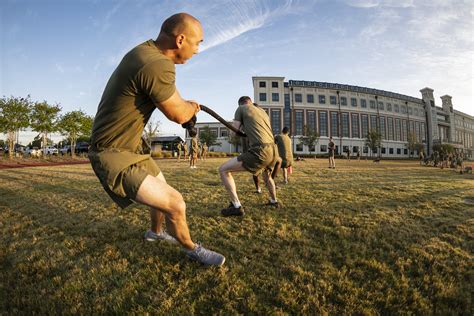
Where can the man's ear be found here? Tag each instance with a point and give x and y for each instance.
(180, 40)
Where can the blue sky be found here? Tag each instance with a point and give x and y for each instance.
(64, 51)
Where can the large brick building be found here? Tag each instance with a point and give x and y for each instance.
(348, 112)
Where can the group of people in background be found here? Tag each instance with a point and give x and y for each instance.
(195, 151)
(443, 159)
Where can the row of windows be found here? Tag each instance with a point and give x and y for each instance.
(263, 84)
(353, 125)
(218, 132)
(389, 107)
(465, 138)
(464, 124)
(355, 149)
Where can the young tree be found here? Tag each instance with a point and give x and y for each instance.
(38, 140)
(373, 140)
(235, 140)
(151, 130)
(14, 115)
(412, 143)
(310, 138)
(44, 119)
(206, 136)
(75, 124)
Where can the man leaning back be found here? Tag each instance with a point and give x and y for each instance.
(143, 81)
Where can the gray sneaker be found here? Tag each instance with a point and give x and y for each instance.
(205, 256)
(162, 235)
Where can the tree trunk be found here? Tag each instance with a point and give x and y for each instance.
(44, 144)
(11, 148)
(73, 148)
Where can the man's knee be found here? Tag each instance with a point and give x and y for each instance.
(178, 206)
(224, 168)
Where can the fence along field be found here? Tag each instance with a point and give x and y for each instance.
(384, 238)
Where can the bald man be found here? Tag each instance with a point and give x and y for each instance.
(143, 81)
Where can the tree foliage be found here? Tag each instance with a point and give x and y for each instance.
(310, 138)
(44, 118)
(373, 140)
(206, 136)
(14, 116)
(38, 140)
(444, 148)
(234, 140)
(151, 130)
(74, 125)
(412, 143)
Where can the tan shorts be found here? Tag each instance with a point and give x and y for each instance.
(122, 181)
(286, 163)
(259, 158)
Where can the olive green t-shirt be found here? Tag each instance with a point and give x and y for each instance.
(283, 142)
(144, 78)
(255, 123)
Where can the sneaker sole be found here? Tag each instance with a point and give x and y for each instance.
(153, 240)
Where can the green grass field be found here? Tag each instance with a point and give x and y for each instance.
(366, 238)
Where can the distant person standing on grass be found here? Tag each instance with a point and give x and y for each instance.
(285, 151)
(260, 158)
(204, 151)
(143, 81)
(179, 147)
(331, 148)
(185, 150)
(193, 152)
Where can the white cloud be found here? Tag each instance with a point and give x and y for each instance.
(67, 69)
(59, 68)
(242, 17)
(380, 3)
(423, 43)
(382, 21)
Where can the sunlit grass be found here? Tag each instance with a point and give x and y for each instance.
(364, 238)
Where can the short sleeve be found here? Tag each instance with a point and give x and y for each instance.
(157, 80)
(238, 114)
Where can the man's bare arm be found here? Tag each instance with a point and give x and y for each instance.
(177, 109)
(237, 125)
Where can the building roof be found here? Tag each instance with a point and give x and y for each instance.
(346, 87)
(162, 139)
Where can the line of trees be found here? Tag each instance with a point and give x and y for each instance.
(18, 113)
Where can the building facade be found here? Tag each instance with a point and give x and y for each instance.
(348, 113)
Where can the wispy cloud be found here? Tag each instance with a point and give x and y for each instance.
(380, 3)
(435, 44)
(67, 69)
(242, 17)
(59, 68)
(383, 19)
(105, 22)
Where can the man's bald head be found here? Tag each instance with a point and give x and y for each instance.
(180, 37)
(178, 23)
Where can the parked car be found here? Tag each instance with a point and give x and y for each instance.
(65, 150)
(82, 147)
(33, 152)
(18, 149)
(50, 150)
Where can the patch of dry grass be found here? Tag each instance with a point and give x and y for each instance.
(365, 238)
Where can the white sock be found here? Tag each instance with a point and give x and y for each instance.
(273, 201)
(236, 204)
